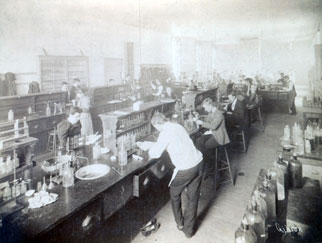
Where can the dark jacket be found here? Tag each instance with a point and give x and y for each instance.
(65, 129)
(238, 116)
(215, 121)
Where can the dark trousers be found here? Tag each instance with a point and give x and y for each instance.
(190, 179)
(206, 144)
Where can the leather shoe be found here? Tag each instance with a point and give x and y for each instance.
(151, 227)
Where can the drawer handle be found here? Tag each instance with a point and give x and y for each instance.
(146, 181)
(315, 173)
(86, 221)
(162, 168)
(36, 126)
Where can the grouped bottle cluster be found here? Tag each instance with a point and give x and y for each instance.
(304, 142)
(126, 145)
(75, 142)
(13, 189)
(132, 120)
(7, 165)
(261, 211)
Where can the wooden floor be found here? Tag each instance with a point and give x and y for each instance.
(220, 213)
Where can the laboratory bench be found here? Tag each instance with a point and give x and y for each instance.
(81, 209)
(275, 100)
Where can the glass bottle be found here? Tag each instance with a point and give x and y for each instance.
(96, 151)
(48, 111)
(282, 177)
(10, 115)
(68, 175)
(257, 222)
(29, 110)
(270, 198)
(23, 187)
(122, 155)
(7, 193)
(245, 234)
(3, 167)
(296, 177)
(17, 161)
(9, 164)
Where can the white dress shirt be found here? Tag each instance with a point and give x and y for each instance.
(175, 139)
(233, 104)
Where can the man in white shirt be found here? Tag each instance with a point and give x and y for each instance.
(188, 169)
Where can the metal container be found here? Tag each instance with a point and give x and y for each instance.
(245, 234)
(296, 177)
(270, 198)
(257, 222)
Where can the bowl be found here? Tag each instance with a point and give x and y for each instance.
(50, 166)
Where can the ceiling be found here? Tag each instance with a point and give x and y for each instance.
(212, 20)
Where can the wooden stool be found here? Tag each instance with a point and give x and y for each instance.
(52, 141)
(223, 164)
(259, 114)
(237, 136)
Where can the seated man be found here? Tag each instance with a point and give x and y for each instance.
(70, 127)
(236, 111)
(217, 133)
(187, 173)
(157, 88)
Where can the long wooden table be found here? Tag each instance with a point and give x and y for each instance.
(275, 100)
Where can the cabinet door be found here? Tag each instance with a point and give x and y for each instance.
(313, 172)
(77, 226)
(117, 196)
(142, 181)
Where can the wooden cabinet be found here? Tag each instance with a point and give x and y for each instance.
(39, 124)
(126, 123)
(57, 69)
(312, 168)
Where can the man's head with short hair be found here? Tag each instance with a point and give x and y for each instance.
(158, 120)
(76, 81)
(208, 105)
(74, 114)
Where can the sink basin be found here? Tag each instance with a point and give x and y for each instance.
(92, 172)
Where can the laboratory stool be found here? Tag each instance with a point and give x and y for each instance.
(259, 118)
(222, 163)
(52, 141)
(238, 137)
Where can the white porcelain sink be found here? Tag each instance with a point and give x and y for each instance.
(91, 172)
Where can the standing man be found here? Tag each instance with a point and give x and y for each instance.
(187, 173)
(74, 89)
(69, 127)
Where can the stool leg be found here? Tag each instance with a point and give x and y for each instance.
(244, 142)
(260, 117)
(49, 143)
(228, 163)
(216, 166)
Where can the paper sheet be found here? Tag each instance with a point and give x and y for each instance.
(145, 146)
(208, 132)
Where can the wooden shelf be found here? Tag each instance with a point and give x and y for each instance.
(132, 128)
(18, 170)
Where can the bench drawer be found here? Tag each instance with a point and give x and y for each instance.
(144, 180)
